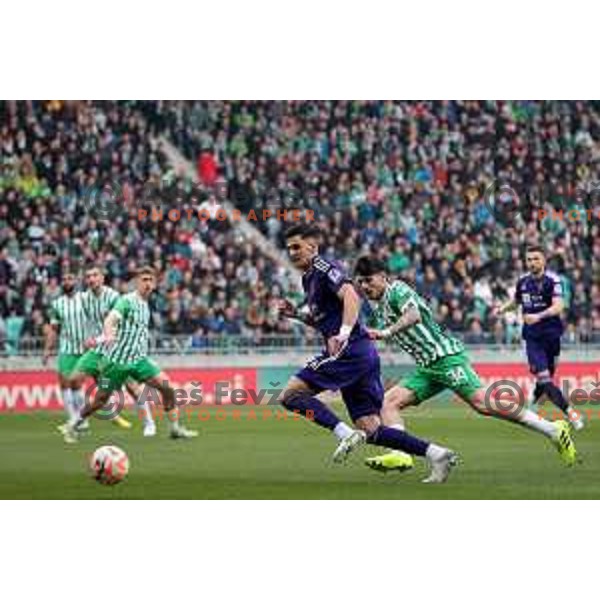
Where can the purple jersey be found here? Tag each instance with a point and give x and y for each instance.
(321, 284)
(356, 370)
(534, 295)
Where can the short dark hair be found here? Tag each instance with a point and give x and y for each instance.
(534, 248)
(146, 270)
(94, 265)
(304, 230)
(369, 265)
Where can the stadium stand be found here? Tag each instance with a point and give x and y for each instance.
(406, 180)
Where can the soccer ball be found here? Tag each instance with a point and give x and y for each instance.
(109, 465)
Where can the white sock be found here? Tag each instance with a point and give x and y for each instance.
(173, 421)
(435, 452)
(78, 403)
(145, 412)
(77, 400)
(399, 425)
(68, 402)
(533, 421)
(342, 431)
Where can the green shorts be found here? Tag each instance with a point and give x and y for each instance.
(450, 373)
(66, 363)
(90, 363)
(114, 375)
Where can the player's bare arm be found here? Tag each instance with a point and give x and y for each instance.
(109, 331)
(411, 316)
(555, 310)
(505, 307)
(347, 294)
(51, 336)
(288, 310)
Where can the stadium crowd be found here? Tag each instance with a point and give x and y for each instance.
(406, 180)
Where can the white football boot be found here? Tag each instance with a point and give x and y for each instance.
(576, 419)
(150, 429)
(441, 467)
(349, 444)
(179, 432)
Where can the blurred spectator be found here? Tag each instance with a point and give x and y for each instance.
(404, 180)
(207, 168)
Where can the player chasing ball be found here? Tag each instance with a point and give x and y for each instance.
(539, 294)
(68, 319)
(350, 362)
(404, 318)
(123, 347)
(98, 300)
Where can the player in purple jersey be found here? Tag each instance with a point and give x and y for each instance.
(539, 294)
(349, 363)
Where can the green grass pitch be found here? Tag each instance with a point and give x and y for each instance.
(243, 457)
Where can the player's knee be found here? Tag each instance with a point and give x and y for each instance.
(396, 399)
(291, 397)
(369, 424)
(75, 381)
(102, 397)
(392, 399)
(135, 389)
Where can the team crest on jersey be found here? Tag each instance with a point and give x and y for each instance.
(335, 275)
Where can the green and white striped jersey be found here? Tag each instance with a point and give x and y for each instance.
(132, 333)
(68, 312)
(426, 341)
(97, 306)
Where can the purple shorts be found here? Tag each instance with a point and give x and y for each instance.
(542, 354)
(356, 373)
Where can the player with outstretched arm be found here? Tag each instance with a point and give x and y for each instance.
(98, 301)
(403, 318)
(350, 362)
(124, 349)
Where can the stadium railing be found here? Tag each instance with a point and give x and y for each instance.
(163, 344)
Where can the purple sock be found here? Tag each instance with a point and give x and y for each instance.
(312, 409)
(398, 440)
(557, 398)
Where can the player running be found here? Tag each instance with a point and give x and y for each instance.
(404, 318)
(124, 351)
(350, 362)
(539, 294)
(98, 300)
